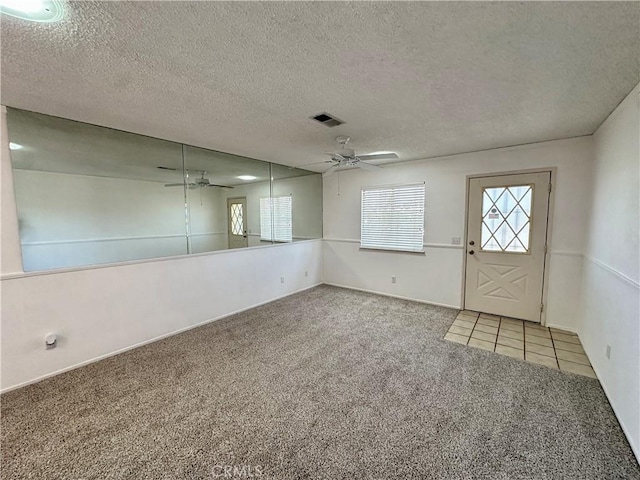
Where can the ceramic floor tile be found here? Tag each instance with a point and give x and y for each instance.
(577, 368)
(487, 337)
(511, 342)
(488, 321)
(520, 339)
(458, 322)
(511, 326)
(535, 326)
(510, 352)
(565, 338)
(541, 359)
(540, 349)
(512, 321)
(474, 342)
(569, 347)
(573, 357)
(460, 330)
(486, 329)
(538, 333)
(467, 318)
(511, 334)
(454, 337)
(546, 342)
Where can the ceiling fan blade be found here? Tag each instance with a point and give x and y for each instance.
(378, 156)
(310, 164)
(174, 184)
(368, 166)
(221, 186)
(330, 171)
(335, 156)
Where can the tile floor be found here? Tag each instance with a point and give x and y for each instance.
(522, 340)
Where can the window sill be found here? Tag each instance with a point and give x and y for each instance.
(390, 250)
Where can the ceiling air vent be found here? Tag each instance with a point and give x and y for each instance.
(328, 120)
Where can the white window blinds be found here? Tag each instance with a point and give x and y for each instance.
(275, 219)
(393, 218)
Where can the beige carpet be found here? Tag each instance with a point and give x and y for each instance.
(325, 384)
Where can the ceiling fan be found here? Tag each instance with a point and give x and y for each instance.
(201, 182)
(346, 157)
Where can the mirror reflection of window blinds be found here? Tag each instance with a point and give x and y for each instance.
(275, 219)
(393, 217)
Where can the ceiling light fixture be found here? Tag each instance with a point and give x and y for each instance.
(15, 146)
(247, 177)
(43, 11)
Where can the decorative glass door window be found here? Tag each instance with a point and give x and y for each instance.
(506, 218)
(236, 219)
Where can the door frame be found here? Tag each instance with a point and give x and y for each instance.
(547, 257)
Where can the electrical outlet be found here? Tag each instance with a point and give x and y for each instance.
(393, 279)
(281, 279)
(455, 240)
(608, 351)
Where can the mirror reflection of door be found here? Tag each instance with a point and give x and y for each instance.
(237, 222)
(506, 238)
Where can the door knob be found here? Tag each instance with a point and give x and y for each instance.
(472, 242)
(471, 252)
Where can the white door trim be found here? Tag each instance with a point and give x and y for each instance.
(547, 258)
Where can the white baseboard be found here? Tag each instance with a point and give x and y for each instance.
(146, 342)
(560, 327)
(384, 294)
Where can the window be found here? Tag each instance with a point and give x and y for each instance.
(237, 220)
(275, 219)
(393, 218)
(506, 218)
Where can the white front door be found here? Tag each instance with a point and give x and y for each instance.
(506, 238)
(237, 222)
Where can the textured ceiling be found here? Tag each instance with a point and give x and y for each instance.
(421, 79)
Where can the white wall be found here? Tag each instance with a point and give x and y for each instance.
(610, 307)
(99, 311)
(436, 277)
(71, 220)
(208, 217)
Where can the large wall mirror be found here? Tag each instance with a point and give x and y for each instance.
(89, 195)
(294, 196)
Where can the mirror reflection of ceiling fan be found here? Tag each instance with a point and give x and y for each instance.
(346, 157)
(201, 182)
